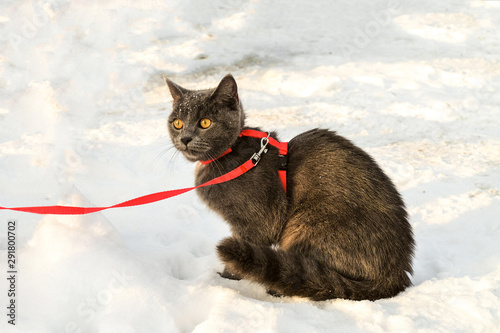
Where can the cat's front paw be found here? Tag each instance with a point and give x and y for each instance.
(274, 293)
(227, 274)
(238, 255)
(231, 250)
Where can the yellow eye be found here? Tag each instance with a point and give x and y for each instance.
(178, 123)
(205, 123)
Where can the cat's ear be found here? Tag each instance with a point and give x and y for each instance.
(175, 90)
(227, 90)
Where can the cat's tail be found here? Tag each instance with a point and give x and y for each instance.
(286, 273)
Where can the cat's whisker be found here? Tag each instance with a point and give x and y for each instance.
(216, 163)
(163, 153)
(173, 162)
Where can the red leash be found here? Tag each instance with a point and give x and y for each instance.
(158, 196)
(146, 199)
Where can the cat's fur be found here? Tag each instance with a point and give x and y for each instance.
(340, 230)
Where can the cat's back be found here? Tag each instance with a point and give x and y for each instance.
(324, 164)
(316, 143)
(320, 152)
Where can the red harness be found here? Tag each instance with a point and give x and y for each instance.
(282, 151)
(154, 197)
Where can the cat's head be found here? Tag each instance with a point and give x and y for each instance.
(205, 123)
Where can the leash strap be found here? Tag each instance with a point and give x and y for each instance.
(146, 199)
(158, 196)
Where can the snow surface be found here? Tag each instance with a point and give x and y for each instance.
(83, 108)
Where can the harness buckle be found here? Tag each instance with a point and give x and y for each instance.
(263, 149)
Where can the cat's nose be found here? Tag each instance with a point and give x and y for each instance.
(187, 139)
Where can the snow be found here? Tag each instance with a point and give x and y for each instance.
(83, 110)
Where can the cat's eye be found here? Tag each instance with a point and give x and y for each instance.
(205, 123)
(178, 123)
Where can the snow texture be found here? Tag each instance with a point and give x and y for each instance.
(83, 110)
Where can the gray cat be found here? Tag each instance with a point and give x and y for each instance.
(339, 230)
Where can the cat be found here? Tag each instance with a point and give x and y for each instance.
(340, 230)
